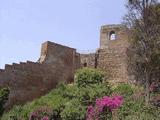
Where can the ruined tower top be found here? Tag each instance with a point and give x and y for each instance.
(110, 35)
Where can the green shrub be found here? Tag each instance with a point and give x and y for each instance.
(133, 107)
(68, 91)
(4, 93)
(68, 102)
(81, 97)
(41, 113)
(129, 107)
(88, 76)
(88, 95)
(54, 99)
(137, 111)
(124, 89)
(74, 110)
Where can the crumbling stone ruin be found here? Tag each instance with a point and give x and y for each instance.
(29, 80)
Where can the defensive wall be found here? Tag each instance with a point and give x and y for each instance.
(29, 80)
(57, 63)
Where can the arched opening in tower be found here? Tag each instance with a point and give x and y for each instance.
(112, 35)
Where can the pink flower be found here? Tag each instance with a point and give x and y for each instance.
(33, 115)
(90, 112)
(45, 118)
(90, 109)
(102, 103)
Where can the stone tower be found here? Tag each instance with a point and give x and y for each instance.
(113, 36)
(112, 56)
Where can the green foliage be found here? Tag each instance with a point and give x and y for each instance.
(4, 93)
(137, 111)
(41, 113)
(129, 107)
(74, 110)
(68, 102)
(88, 76)
(54, 99)
(88, 95)
(80, 98)
(133, 107)
(124, 89)
(106, 115)
(84, 94)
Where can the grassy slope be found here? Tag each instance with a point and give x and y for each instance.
(133, 107)
(52, 100)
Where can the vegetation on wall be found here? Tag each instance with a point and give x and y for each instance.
(4, 93)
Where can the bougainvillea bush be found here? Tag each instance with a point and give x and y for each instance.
(103, 108)
(41, 113)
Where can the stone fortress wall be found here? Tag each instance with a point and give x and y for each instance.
(29, 80)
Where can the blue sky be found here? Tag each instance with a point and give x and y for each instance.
(25, 24)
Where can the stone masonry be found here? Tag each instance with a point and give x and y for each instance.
(111, 56)
(30, 80)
